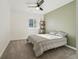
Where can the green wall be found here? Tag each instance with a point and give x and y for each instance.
(63, 19)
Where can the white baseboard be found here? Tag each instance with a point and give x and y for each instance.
(71, 47)
(4, 49)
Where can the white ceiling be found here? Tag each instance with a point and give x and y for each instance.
(48, 5)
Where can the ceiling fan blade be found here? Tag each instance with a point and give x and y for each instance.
(32, 6)
(31, 3)
(41, 9)
(40, 2)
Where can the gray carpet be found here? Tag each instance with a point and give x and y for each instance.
(21, 50)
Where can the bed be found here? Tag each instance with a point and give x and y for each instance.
(44, 42)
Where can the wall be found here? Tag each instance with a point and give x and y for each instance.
(4, 25)
(63, 19)
(20, 21)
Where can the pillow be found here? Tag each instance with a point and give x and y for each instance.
(61, 34)
(53, 32)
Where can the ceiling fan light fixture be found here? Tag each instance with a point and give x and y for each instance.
(37, 8)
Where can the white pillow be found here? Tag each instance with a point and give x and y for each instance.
(61, 33)
(53, 32)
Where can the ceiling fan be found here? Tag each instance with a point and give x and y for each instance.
(37, 5)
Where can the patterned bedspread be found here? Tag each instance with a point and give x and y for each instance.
(43, 43)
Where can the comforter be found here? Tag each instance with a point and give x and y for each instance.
(44, 42)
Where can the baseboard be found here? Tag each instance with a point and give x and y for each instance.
(71, 47)
(4, 49)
